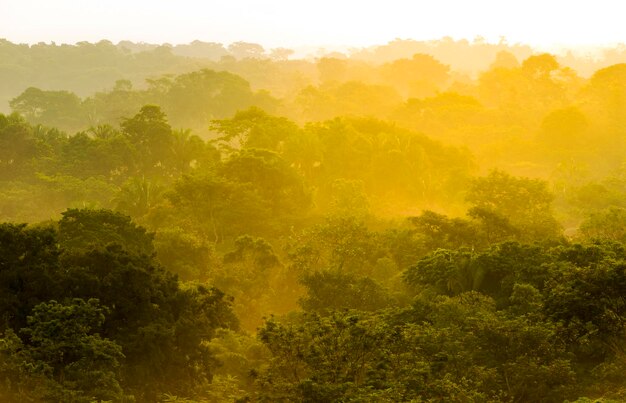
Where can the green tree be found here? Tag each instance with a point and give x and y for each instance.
(137, 196)
(279, 185)
(197, 98)
(527, 203)
(216, 208)
(252, 273)
(440, 231)
(63, 341)
(29, 262)
(18, 146)
(342, 244)
(255, 128)
(188, 255)
(62, 109)
(85, 229)
(151, 135)
(609, 223)
(160, 325)
(328, 291)
(323, 359)
(451, 272)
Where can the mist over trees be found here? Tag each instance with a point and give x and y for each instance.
(417, 221)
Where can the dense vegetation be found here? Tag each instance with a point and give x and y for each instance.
(246, 227)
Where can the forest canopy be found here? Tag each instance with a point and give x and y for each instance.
(418, 221)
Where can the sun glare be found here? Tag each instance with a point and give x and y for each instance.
(297, 23)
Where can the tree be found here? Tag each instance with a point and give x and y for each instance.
(418, 77)
(508, 264)
(29, 262)
(588, 294)
(188, 255)
(189, 150)
(252, 273)
(62, 109)
(245, 50)
(504, 59)
(195, 99)
(539, 84)
(254, 128)
(332, 70)
(63, 342)
(137, 196)
(85, 229)
(323, 358)
(539, 66)
(605, 98)
(108, 155)
(18, 146)
(349, 199)
(279, 185)
(447, 233)
(281, 53)
(217, 208)
(346, 99)
(564, 128)
(449, 272)
(525, 202)
(151, 135)
(609, 224)
(160, 325)
(341, 244)
(329, 291)
(493, 226)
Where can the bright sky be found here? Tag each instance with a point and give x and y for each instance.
(290, 23)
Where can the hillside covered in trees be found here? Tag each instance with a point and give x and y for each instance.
(419, 221)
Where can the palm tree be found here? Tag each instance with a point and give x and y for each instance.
(137, 196)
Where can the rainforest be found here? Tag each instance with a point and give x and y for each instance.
(419, 221)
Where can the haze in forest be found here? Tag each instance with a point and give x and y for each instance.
(426, 203)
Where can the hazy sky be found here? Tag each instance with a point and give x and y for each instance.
(274, 23)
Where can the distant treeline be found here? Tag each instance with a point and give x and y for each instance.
(85, 68)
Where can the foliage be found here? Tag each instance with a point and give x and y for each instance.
(311, 230)
(124, 323)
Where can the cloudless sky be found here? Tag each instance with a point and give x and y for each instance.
(290, 23)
